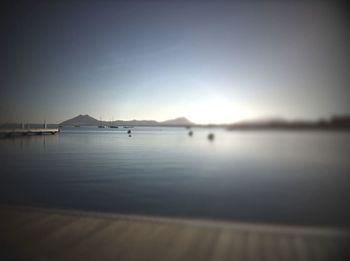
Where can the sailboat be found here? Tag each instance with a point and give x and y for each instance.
(101, 126)
(113, 126)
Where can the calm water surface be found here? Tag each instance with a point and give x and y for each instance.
(284, 177)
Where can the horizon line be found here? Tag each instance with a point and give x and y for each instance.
(248, 120)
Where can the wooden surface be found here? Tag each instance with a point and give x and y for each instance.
(42, 234)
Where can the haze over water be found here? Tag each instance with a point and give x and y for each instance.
(269, 177)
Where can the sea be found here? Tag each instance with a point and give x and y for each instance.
(283, 177)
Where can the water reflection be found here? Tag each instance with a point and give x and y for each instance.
(28, 142)
(249, 176)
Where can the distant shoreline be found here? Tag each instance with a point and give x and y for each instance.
(235, 127)
(336, 123)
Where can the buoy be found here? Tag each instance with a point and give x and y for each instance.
(211, 136)
(129, 131)
(190, 133)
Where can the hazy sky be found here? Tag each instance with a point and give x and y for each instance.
(208, 61)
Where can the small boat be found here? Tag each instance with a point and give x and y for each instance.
(113, 126)
(211, 137)
(128, 127)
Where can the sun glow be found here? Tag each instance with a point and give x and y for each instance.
(218, 110)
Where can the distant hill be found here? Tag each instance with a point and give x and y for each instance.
(335, 123)
(134, 123)
(81, 120)
(86, 120)
(182, 121)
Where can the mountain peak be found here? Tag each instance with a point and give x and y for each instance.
(81, 120)
(178, 121)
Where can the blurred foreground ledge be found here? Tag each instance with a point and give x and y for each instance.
(47, 234)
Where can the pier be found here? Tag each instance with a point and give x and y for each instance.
(27, 132)
(50, 234)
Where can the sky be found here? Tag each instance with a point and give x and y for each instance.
(209, 61)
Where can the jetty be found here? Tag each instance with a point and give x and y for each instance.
(28, 233)
(27, 132)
